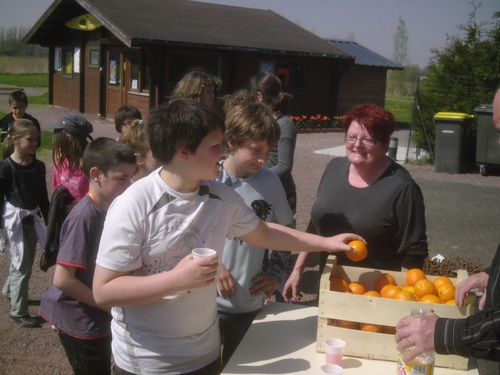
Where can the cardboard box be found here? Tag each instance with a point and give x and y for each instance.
(375, 310)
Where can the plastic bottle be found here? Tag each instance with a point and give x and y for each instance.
(423, 364)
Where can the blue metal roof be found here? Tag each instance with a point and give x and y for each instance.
(364, 56)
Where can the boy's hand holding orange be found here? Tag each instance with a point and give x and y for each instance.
(360, 251)
(342, 242)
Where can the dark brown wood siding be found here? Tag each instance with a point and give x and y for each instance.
(361, 84)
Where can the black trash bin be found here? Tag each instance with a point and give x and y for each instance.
(454, 142)
(487, 146)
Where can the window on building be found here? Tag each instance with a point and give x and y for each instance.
(94, 61)
(293, 76)
(140, 70)
(67, 62)
(114, 68)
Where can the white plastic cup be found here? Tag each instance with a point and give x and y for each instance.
(334, 350)
(203, 252)
(331, 369)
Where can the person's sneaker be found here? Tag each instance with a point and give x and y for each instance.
(26, 321)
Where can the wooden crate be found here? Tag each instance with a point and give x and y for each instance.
(374, 310)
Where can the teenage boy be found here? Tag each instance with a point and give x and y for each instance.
(164, 300)
(251, 132)
(69, 304)
(18, 102)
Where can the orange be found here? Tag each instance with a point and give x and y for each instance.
(450, 302)
(372, 293)
(446, 292)
(339, 285)
(423, 287)
(411, 289)
(440, 280)
(430, 298)
(347, 324)
(389, 330)
(361, 251)
(370, 327)
(357, 288)
(404, 295)
(413, 275)
(389, 291)
(383, 280)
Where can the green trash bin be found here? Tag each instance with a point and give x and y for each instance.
(454, 146)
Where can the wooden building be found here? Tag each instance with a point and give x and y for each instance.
(366, 80)
(108, 53)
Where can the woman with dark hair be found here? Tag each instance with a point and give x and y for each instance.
(369, 194)
(267, 88)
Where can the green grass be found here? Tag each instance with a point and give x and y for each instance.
(401, 108)
(25, 80)
(40, 100)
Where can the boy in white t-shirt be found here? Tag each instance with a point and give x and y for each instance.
(164, 300)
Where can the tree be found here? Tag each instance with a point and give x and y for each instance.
(401, 82)
(462, 75)
(401, 54)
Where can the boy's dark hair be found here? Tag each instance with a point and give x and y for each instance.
(105, 154)
(18, 96)
(126, 112)
(181, 124)
(253, 121)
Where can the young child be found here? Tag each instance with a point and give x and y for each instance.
(71, 135)
(136, 137)
(69, 305)
(23, 195)
(164, 300)
(251, 132)
(18, 102)
(125, 117)
(267, 88)
(199, 86)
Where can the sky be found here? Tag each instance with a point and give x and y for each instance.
(371, 23)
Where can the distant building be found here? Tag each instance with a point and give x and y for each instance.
(134, 52)
(364, 81)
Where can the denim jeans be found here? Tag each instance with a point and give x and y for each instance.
(233, 327)
(88, 356)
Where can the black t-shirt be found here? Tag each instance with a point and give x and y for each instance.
(389, 215)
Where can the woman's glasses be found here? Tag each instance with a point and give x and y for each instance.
(368, 142)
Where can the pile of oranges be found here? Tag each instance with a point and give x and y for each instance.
(417, 288)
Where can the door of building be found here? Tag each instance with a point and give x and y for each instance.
(116, 85)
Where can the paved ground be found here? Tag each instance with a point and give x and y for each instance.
(462, 210)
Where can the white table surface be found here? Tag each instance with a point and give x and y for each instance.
(282, 340)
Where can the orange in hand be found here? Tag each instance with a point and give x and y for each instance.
(361, 251)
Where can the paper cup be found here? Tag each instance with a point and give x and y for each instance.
(334, 350)
(203, 252)
(331, 369)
